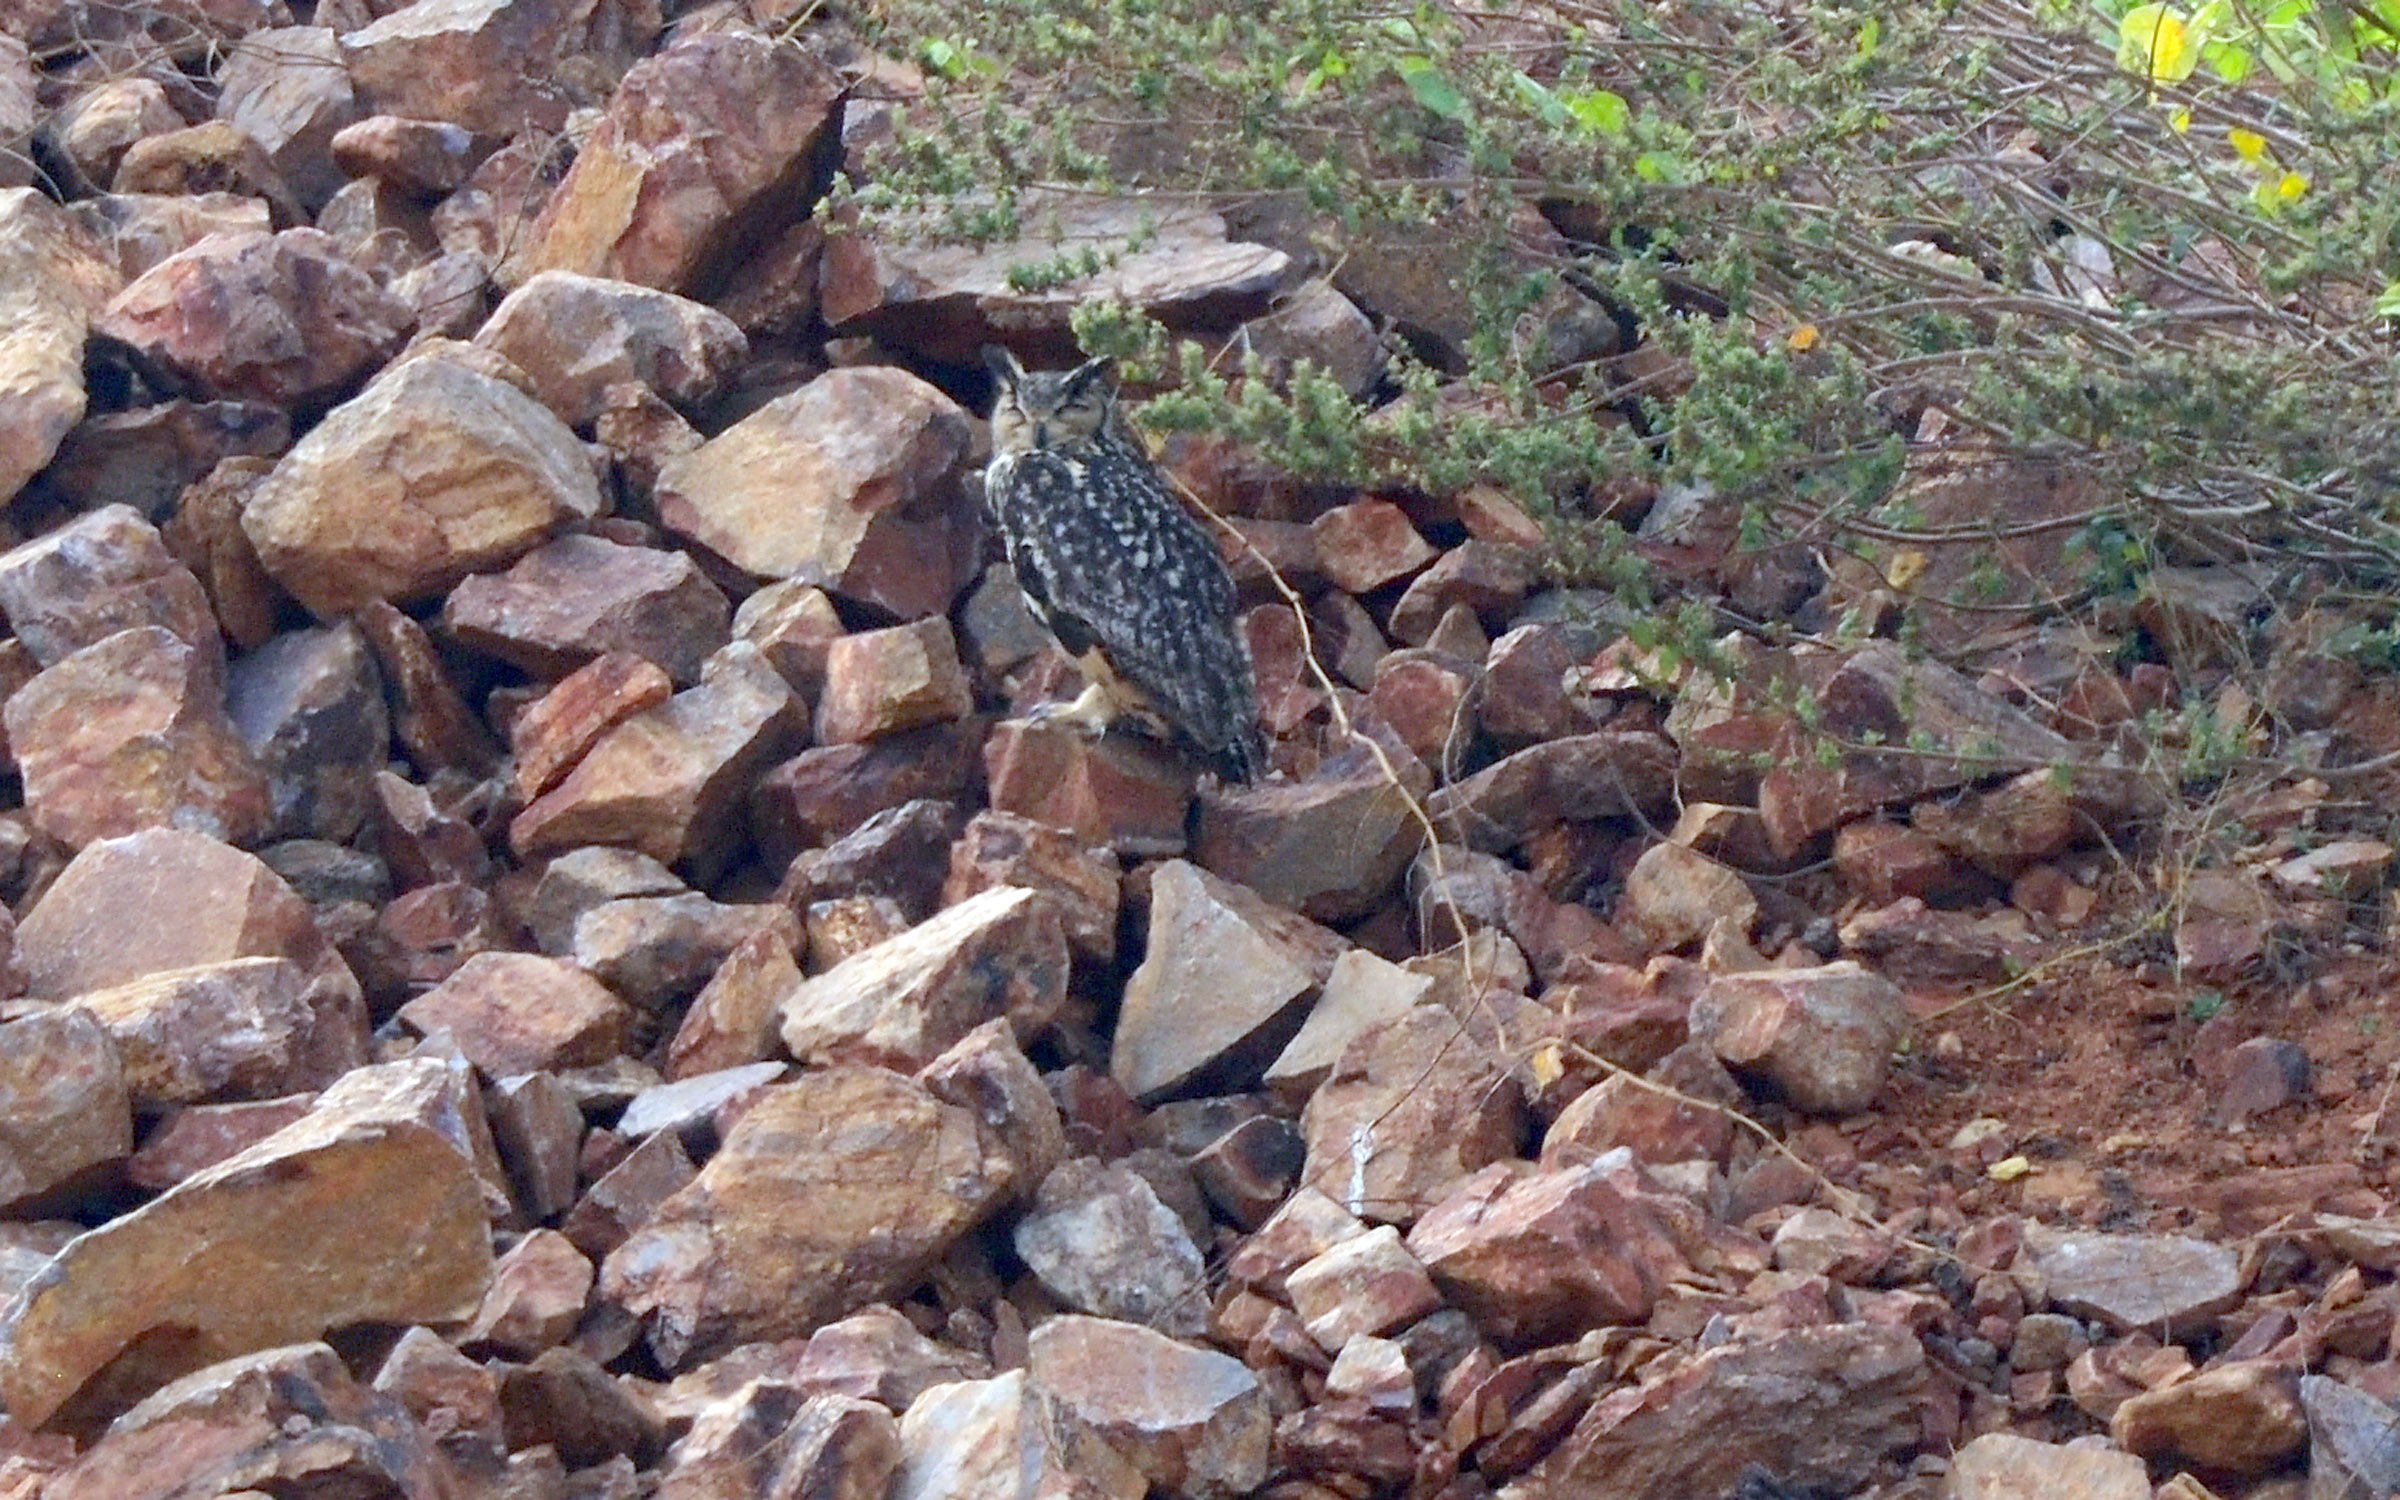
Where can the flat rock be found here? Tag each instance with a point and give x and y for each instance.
(214, 155)
(432, 473)
(998, 848)
(823, 793)
(1329, 845)
(663, 782)
(2004, 1466)
(286, 87)
(1655, 1123)
(1101, 1241)
(878, 1355)
(2242, 1417)
(310, 325)
(831, 1192)
(1822, 1407)
(1191, 1421)
(428, 157)
(522, 1013)
(987, 1073)
(1609, 774)
(1004, 1436)
(1880, 693)
(105, 571)
(537, 1296)
(944, 301)
(699, 143)
(202, 1135)
(1222, 968)
(1415, 1103)
(881, 681)
(131, 733)
(94, 130)
(53, 280)
(731, 1022)
(554, 730)
(1360, 991)
(138, 230)
(286, 1416)
(568, 602)
(1821, 1037)
(851, 484)
(1542, 1258)
(1361, 1285)
(628, 1195)
(655, 950)
(168, 898)
(1674, 896)
(64, 1105)
(238, 1029)
(2156, 1282)
(575, 336)
(494, 66)
(900, 1002)
(1126, 791)
(357, 1212)
(1366, 544)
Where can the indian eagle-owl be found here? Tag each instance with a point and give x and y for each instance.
(1117, 570)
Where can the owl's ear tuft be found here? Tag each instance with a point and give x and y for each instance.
(1101, 372)
(1002, 364)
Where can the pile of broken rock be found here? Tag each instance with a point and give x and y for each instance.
(541, 965)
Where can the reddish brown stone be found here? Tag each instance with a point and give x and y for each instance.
(1121, 790)
(564, 604)
(555, 730)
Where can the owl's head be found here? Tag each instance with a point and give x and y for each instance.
(1058, 411)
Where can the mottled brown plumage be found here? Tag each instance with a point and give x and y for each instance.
(1119, 572)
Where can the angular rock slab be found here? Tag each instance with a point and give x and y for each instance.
(901, 1002)
(2165, 1284)
(63, 1102)
(1193, 1421)
(1545, 1257)
(1005, 1436)
(355, 1213)
(699, 142)
(1102, 1241)
(281, 319)
(2354, 1441)
(665, 781)
(946, 300)
(53, 279)
(2003, 1466)
(431, 473)
(492, 65)
(1222, 968)
(575, 336)
(1822, 1037)
(849, 484)
(1819, 1407)
(167, 898)
(131, 733)
(1415, 1103)
(840, 1189)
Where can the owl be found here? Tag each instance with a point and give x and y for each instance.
(1117, 570)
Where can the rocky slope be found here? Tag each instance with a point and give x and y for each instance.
(543, 962)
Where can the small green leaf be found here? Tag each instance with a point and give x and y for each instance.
(2388, 305)
(1599, 110)
(1869, 34)
(943, 57)
(1432, 89)
(1544, 104)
